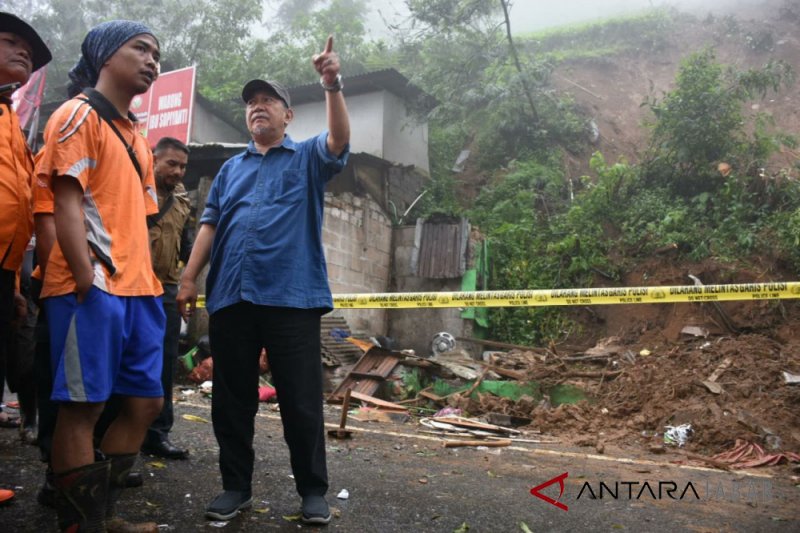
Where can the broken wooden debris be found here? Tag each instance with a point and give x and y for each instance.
(505, 372)
(695, 331)
(605, 348)
(711, 382)
(791, 379)
(464, 425)
(469, 391)
(487, 443)
(713, 388)
(496, 344)
(383, 404)
(722, 367)
(502, 419)
(368, 373)
(457, 364)
(342, 432)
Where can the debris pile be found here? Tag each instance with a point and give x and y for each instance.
(702, 393)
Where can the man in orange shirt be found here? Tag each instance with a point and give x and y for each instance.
(101, 296)
(22, 52)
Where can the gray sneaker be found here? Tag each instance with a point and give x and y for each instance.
(315, 510)
(228, 504)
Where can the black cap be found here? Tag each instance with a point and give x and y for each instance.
(270, 86)
(13, 24)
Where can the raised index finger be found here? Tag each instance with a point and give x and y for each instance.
(329, 45)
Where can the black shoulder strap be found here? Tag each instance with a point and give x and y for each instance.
(152, 220)
(128, 147)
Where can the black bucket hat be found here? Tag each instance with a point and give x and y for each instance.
(13, 24)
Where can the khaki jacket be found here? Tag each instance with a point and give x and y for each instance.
(165, 236)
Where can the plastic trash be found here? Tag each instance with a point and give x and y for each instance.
(678, 435)
(343, 494)
(448, 411)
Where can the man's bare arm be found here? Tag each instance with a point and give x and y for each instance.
(45, 228)
(71, 232)
(201, 252)
(327, 64)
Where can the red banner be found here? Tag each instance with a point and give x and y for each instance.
(165, 110)
(27, 98)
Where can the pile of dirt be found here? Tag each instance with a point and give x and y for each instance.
(665, 388)
(655, 358)
(613, 89)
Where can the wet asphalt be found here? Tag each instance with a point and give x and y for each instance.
(402, 480)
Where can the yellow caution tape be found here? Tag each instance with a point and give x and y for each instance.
(544, 298)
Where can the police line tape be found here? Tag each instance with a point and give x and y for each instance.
(553, 297)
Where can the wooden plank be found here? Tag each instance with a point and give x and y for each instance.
(473, 424)
(513, 374)
(488, 443)
(431, 396)
(497, 344)
(377, 401)
(370, 370)
(367, 375)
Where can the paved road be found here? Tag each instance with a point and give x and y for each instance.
(402, 481)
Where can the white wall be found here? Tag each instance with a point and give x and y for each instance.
(366, 124)
(209, 128)
(405, 139)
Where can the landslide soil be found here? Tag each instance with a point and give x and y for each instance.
(664, 387)
(654, 376)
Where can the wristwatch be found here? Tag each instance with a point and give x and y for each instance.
(334, 87)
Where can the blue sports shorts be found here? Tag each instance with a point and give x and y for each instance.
(105, 345)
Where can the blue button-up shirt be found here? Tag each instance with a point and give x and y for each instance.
(268, 210)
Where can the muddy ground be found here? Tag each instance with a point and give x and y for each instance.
(400, 480)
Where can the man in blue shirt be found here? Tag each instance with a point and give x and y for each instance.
(267, 287)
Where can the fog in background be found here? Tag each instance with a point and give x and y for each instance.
(531, 15)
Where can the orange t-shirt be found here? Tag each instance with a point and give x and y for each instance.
(16, 169)
(116, 201)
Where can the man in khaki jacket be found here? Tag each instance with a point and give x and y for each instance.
(170, 245)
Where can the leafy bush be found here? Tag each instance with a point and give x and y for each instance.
(700, 123)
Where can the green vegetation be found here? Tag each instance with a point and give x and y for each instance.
(676, 196)
(647, 32)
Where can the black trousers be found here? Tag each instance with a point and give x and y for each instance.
(291, 336)
(161, 426)
(47, 408)
(7, 314)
